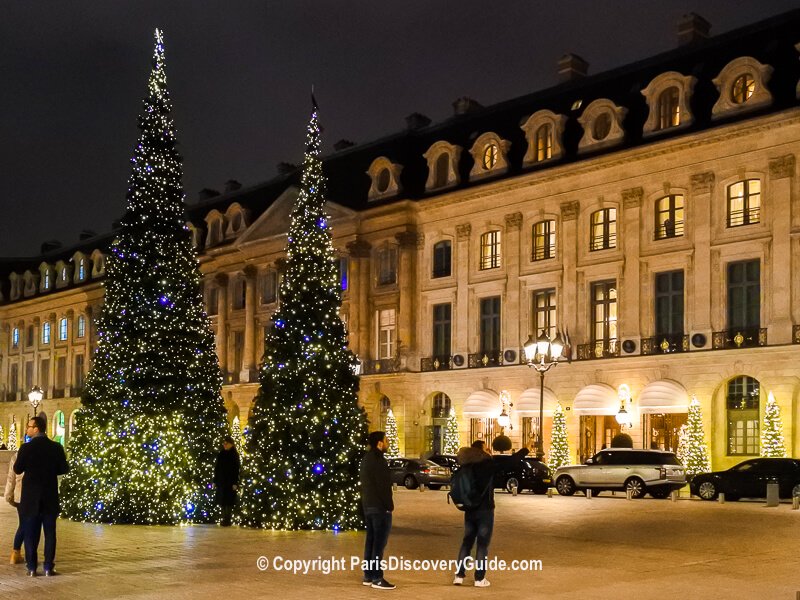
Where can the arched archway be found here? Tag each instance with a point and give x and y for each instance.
(440, 405)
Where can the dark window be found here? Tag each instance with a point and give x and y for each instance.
(28, 375)
(239, 294)
(544, 312)
(544, 240)
(669, 217)
(78, 379)
(442, 324)
(387, 266)
(490, 325)
(238, 350)
(441, 170)
(383, 180)
(14, 379)
(604, 313)
(744, 295)
(29, 336)
(44, 374)
(490, 250)
(669, 303)
(602, 126)
(743, 415)
(669, 109)
(441, 406)
(442, 253)
(269, 287)
(604, 229)
(744, 202)
(212, 300)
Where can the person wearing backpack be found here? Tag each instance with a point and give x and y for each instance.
(478, 469)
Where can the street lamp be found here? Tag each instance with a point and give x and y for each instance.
(542, 354)
(35, 398)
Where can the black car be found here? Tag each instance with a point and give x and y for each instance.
(749, 479)
(527, 474)
(413, 472)
(445, 460)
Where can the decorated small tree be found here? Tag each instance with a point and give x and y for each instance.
(683, 436)
(772, 444)
(12, 436)
(236, 434)
(695, 450)
(559, 445)
(2, 435)
(392, 436)
(452, 440)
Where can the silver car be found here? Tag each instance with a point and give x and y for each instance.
(640, 471)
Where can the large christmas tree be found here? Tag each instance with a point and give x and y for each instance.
(559, 444)
(306, 431)
(152, 415)
(693, 448)
(772, 444)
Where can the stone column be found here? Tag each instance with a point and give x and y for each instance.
(248, 366)
(461, 309)
(628, 294)
(778, 263)
(512, 320)
(359, 273)
(568, 317)
(406, 284)
(221, 280)
(699, 293)
(87, 334)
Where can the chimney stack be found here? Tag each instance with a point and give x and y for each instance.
(570, 67)
(232, 185)
(416, 121)
(692, 28)
(465, 105)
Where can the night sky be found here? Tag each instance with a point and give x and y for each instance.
(240, 73)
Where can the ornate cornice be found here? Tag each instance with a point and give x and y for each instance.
(359, 248)
(514, 221)
(406, 239)
(569, 210)
(702, 183)
(632, 197)
(463, 231)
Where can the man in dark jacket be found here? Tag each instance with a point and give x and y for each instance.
(226, 478)
(479, 521)
(376, 498)
(42, 461)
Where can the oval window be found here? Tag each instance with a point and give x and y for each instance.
(490, 156)
(743, 88)
(384, 178)
(602, 126)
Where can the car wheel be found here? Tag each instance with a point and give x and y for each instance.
(636, 487)
(796, 491)
(660, 493)
(565, 485)
(707, 490)
(410, 482)
(512, 482)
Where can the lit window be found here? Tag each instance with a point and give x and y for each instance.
(604, 318)
(604, 229)
(490, 156)
(544, 240)
(743, 415)
(63, 273)
(743, 88)
(82, 269)
(46, 332)
(669, 109)
(81, 326)
(669, 217)
(62, 329)
(387, 335)
(544, 142)
(490, 250)
(47, 280)
(744, 202)
(15, 338)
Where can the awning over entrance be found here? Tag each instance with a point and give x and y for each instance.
(482, 404)
(528, 403)
(596, 399)
(664, 396)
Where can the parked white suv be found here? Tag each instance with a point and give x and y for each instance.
(641, 471)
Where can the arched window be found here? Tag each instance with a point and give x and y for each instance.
(742, 403)
(490, 250)
(81, 326)
(744, 202)
(544, 142)
(490, 152)
(603, 229)
(442, 253)
(669, 108)
(440, 408)
(442, 170)
(62, 329)
(46, 332)
(544, 240)
(669, 217)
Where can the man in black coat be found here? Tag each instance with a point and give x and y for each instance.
(376, 498)
(42, 461)
(226, 479)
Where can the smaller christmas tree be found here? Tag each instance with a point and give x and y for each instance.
(452, 440)
(559, 446)
(2, 435)
(391, 436)
(772, 435)
(695, 451)
(683, 437)
(12, 436)
(236, 434)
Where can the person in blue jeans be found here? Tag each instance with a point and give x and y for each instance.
(376, 500)
(479, 521)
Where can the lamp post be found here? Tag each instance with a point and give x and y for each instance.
(542, 354)
(35, 398)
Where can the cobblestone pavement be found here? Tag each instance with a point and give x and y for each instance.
(606, 547)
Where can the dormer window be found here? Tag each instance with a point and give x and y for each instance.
(544, 142)
(669, 108)
(602, 125)
(441, 171)
(46, 283)
(383, 180)
(82, 269)
(442, 160)
(385, 176)
(669, 96)
(236, 217)
(490, 153)
(490, 156)
(742, 86)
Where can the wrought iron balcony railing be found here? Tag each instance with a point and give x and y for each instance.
(485, 359)
(665, 344)
(740, 338)
(598, 349)
(381, 365)
(436, 363)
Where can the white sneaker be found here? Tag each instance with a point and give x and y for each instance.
(458, 580)
(482, 583)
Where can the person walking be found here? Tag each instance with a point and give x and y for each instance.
(479, 521)
(41, 460)
(376, 499)
(226, 479)
(12, 495)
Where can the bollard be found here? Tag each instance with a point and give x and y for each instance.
(674, 495)
(772, 494)
(795, 502)
(721, 498)
(513, 490)
(549, 492)
(421, 487)
(394, 487)
(588, 494)
(629, 494)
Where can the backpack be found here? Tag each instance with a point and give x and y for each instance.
(464, 489)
